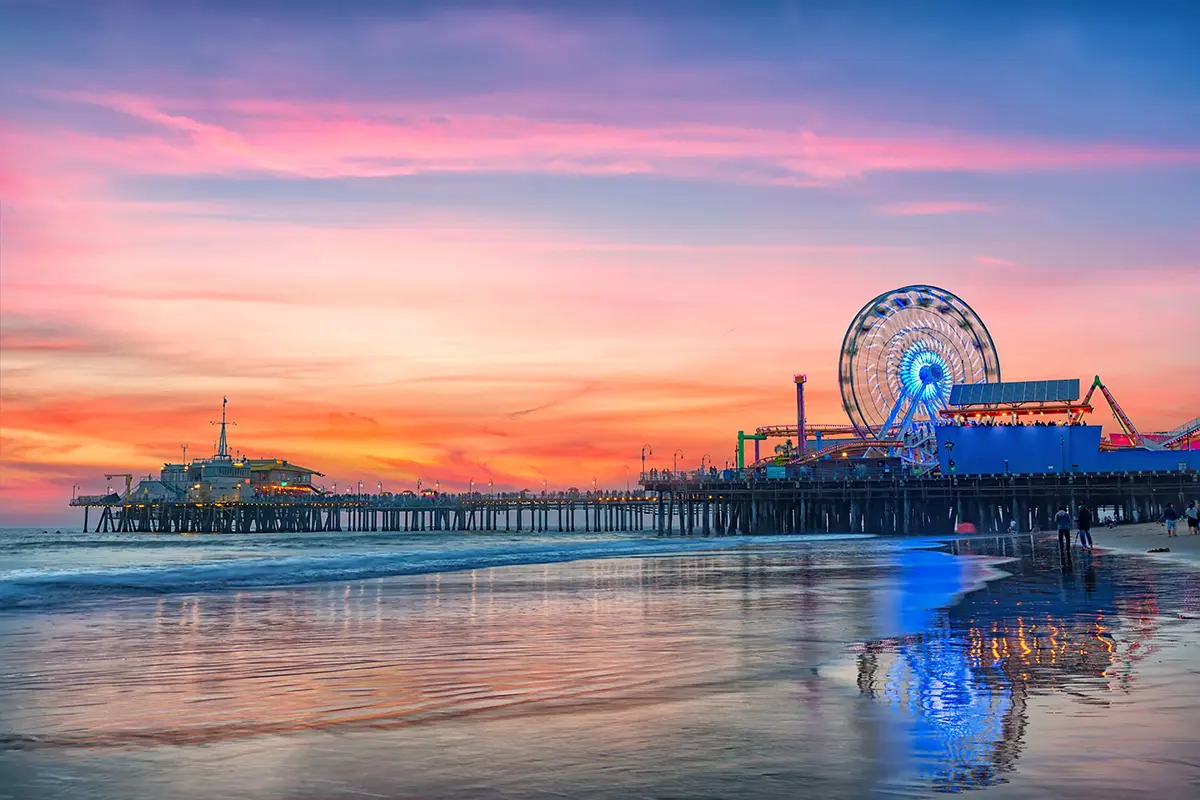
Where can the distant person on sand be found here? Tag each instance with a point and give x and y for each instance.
(1193, 517)
(1062, 520)
(1084, 521)
(1170, 515)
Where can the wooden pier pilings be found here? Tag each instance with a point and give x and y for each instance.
(632, 512)
(908, 505)
(883, 505)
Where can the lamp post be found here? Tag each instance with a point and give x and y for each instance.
(335, 487)
(360, 488)
(594, 490)
(437, 487)
(709, 457)
(675, 461)
(470, 486)
(626, 479)
(381, 488)
(418, 487)
(491, 488)
(646, 450)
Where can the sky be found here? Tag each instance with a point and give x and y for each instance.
(519, 242)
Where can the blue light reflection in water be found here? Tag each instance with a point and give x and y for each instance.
(959, 691)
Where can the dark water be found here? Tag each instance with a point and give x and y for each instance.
(487, 666)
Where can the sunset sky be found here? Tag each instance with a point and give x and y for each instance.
(509, 242)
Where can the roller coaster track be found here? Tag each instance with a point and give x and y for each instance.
(1180, 436)
(781, 431)
(848, 448)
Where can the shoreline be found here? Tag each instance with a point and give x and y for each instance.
(1141, 538)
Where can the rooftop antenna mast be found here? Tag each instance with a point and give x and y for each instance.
(184, 454)
(223, 442)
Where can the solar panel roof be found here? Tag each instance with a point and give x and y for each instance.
(972, 394)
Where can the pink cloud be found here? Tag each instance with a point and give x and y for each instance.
(344, 141)
(935, 207)
(481, 345)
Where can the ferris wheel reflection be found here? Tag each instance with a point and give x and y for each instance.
(957, 692)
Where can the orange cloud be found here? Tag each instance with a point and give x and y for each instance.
(486, 344)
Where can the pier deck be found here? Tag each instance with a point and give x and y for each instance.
(371, 513)
(692, 506)
(912, 505)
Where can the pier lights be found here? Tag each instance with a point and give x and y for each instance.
(593, 485)
(678, 454)
(381, 487)
(543, 487)
(491, 488)
(470, 486)
(437, 486)
(646, 450)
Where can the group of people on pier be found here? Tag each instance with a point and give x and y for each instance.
(1020, 423)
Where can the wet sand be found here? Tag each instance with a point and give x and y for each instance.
(1146, 536)
(783, 669)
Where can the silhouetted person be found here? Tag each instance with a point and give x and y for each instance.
(1062, 521)
(1083, 520)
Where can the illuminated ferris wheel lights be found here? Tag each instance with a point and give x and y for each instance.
(902, 354)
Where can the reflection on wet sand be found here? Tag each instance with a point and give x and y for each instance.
(710, 674)
(396, 653)
(965, 683)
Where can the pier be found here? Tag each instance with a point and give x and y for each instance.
(560, 513)
(689, 506)
(911, 505)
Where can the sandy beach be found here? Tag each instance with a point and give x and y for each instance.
(1146, 536)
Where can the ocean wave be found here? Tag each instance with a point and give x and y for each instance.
(41, 588)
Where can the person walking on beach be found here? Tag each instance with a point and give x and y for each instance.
(1170, 516)
(1083, 520)
(1062, 520)
(1193, 517)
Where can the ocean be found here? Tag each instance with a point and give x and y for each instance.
(502, 665)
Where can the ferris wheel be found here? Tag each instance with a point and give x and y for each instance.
(903, 352)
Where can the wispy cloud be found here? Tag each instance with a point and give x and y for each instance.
(295, 139)
(934, 207)
(473, 244)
